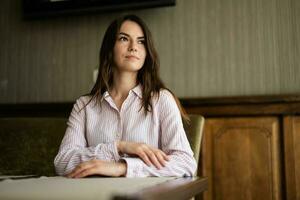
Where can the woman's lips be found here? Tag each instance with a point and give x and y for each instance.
(131, 57)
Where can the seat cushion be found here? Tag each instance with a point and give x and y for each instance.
(29, 145)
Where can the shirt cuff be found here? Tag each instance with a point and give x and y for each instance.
(135, 167)
(107, 152)
(115, 151)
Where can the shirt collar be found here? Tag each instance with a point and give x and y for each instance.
(105, 95)
(137, 90)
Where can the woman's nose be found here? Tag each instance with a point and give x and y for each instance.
(132, 47)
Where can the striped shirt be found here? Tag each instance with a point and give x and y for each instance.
(92, 133)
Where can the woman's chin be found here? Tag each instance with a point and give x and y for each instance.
(130, 68)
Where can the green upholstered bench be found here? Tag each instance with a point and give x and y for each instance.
(29, 145)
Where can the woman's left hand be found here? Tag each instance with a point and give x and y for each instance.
(98, 167)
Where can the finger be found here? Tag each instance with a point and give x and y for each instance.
(154, 159)
(166, 157)
(76, 171)
(145, 158)
(86, 172)
(160, 158)
(79, 169)
(163, 154)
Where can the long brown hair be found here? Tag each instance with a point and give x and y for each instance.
(147, 76)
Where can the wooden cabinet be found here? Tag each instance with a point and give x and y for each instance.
(292, 156)
(240, 157)
(250, 147)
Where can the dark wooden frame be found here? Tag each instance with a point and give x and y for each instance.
(243, 106)
(37, 8)
(208, 107)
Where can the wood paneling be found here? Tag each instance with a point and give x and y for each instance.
(241, 158)
(243, 106)
(292, 156)
(207, 48)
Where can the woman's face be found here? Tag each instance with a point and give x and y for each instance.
(129, 50)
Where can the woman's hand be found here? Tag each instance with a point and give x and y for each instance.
(150, 155)
(99, 167)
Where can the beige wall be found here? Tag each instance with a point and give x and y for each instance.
(207, 48)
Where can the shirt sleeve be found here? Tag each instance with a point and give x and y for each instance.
(173, 142)
(74, 148)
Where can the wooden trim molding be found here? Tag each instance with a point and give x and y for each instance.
(243, 106)
(240, 100)
(208, 107)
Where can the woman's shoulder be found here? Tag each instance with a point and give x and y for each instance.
(164, 96)
(83, 101)
(166, 102)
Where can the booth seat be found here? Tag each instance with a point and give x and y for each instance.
(29, 145)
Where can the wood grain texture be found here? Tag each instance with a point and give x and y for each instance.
(243, 105)
(241, 158)
(207, 48)
(292, 155)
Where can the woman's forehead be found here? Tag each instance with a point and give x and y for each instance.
(131, 28)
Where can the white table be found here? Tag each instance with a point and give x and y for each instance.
(100, 188)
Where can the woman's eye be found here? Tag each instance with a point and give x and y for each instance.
(141, 41)
(123, 39)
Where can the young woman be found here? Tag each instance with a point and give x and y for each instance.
(130, 124)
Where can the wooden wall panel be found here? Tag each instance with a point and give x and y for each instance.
(241, 158)
(207, 48)
(292, 156)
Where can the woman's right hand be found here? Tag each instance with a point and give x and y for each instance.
(150, 155)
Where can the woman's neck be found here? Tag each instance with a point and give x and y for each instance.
(123, 83)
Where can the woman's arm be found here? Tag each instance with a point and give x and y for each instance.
(99, 167)
(149, 155)
(74, 148)
(173, 142)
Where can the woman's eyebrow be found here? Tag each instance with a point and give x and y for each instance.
(122, 33)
